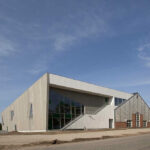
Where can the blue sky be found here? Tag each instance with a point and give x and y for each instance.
(102, 42)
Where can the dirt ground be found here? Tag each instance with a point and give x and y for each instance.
(18, 140)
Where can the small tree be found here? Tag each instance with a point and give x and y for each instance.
(0, 126)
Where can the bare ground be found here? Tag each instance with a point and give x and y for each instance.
(19, 140)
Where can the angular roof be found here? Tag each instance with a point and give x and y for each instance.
(80, 86)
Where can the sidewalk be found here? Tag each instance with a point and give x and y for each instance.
(28, 139)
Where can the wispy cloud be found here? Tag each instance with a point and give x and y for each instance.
(37, 68)
(62, 35)
(135, 83)
(66, 34)
(144, 47)
(7, 47)
(61, 41)
(69, 33)
(144, 53)
(4, 79)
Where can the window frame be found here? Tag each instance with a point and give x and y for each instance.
(68, 109)
(118, 101)
(137, 118)
(144, 123)
(129, 123)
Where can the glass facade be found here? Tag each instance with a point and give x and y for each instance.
(118, 101)
(62, 110)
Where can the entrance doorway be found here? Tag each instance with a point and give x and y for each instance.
(110, 123)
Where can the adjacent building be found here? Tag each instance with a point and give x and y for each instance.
(55, 102)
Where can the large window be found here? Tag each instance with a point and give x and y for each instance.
(137, 120)
(144, 123)
(129, 123)
(107, 101)
(62, 110)
(118, 101)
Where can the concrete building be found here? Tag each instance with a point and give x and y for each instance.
(56, 102)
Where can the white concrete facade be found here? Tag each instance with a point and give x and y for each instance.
(38, 96)
(95, 121)
(90, 121)
(75, 85)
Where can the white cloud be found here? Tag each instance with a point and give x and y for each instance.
(144, 56)
(144, 53)
(66, 34)
(7, 47)
(38, 68)
(144, 46)
(63, 40)
(138, 83)
(40, 65)
(61, 36)
(4, 79)
(133, 83)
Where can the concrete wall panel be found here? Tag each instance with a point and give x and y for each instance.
(97, 121)
(37, 95)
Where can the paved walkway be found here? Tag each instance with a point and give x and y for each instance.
(27, 139)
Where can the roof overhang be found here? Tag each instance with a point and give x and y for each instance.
(79, 86)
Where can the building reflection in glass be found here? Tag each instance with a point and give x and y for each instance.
(62, 110)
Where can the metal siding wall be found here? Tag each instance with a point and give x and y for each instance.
(134, 105)
(123, 113)
(127, 109)
(142, 107)
(139, 102)
(145, 117)
(117, 116)
(130, 110)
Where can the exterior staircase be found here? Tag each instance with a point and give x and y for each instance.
(72, 121)
(77, 118)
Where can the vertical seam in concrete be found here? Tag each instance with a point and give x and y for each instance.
(114, 112)
(47, 103)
